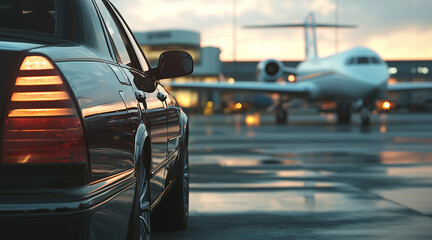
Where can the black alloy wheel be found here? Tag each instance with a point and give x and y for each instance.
(140, 228)
(144, 201)
(173, 212)
(186, 186)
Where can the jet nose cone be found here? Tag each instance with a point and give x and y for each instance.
(374, 77)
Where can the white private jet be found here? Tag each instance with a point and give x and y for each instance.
(357, 76)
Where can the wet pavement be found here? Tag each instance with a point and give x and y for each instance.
(310, 179)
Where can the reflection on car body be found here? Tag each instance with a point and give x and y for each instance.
(92, 146)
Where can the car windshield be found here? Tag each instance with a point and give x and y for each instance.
(37, 18)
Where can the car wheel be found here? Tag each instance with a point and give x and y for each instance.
(140, 226)
(173, 212)
(186, 188)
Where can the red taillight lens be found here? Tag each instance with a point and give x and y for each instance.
(42, 124)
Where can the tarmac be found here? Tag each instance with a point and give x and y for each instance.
(309, 179)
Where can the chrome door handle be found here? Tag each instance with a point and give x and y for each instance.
(161, 96)
(140, 96)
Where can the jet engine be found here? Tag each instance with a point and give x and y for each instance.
(269, 70)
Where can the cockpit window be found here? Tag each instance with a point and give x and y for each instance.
(375, 60)
(363, 60)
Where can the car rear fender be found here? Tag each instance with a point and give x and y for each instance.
(184, 123)
(184, 138)
(141, 145)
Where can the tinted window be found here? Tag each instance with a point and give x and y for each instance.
(362, 60)
(138, 52)
(351, 61)
(116, 35)
(42, 16)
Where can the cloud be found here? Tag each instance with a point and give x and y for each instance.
(324, 7)
(409, 43)
(378, 21)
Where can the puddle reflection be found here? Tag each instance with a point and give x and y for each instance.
(389, 157)
(233, 202)
(265, 185)
(209, 131)
(418, 199)
(233, 162)
(413, 172)
(384, 157)
(383, 128)
(297, 173)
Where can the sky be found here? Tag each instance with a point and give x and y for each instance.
(395, 29)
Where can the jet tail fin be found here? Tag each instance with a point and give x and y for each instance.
(310, 32)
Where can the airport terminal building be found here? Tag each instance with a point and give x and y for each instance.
(207, 64)
(209, 68)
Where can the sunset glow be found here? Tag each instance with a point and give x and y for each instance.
(395, 31)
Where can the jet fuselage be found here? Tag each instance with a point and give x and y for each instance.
(351, 75)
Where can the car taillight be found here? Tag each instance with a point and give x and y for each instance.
(42, 124)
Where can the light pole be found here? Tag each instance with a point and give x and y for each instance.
(234, 36)
(336, 28)
(234, 30)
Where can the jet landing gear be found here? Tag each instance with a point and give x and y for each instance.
(281, 115)
(344, 113)
(364, 117)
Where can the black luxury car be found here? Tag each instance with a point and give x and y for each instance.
(92, 146)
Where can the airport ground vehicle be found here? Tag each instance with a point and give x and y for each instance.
(92, 146)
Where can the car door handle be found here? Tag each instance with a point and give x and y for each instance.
(140, 96)
(161, 96)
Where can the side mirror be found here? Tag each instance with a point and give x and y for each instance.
(173, 64)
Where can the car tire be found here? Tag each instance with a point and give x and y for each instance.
(173, 212)
(140, 217)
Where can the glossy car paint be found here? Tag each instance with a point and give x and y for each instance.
(117, 128)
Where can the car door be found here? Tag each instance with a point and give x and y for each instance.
(132, 66)
(157, 121)
(110, 112)
(173, 114)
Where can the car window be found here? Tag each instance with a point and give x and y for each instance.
(118, 38)
(33, 17)
(138, 51)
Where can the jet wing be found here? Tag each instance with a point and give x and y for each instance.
(291, 70)
(409, 86)
(297, 89)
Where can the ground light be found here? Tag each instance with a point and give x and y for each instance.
(252, 119)
(386, 105)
